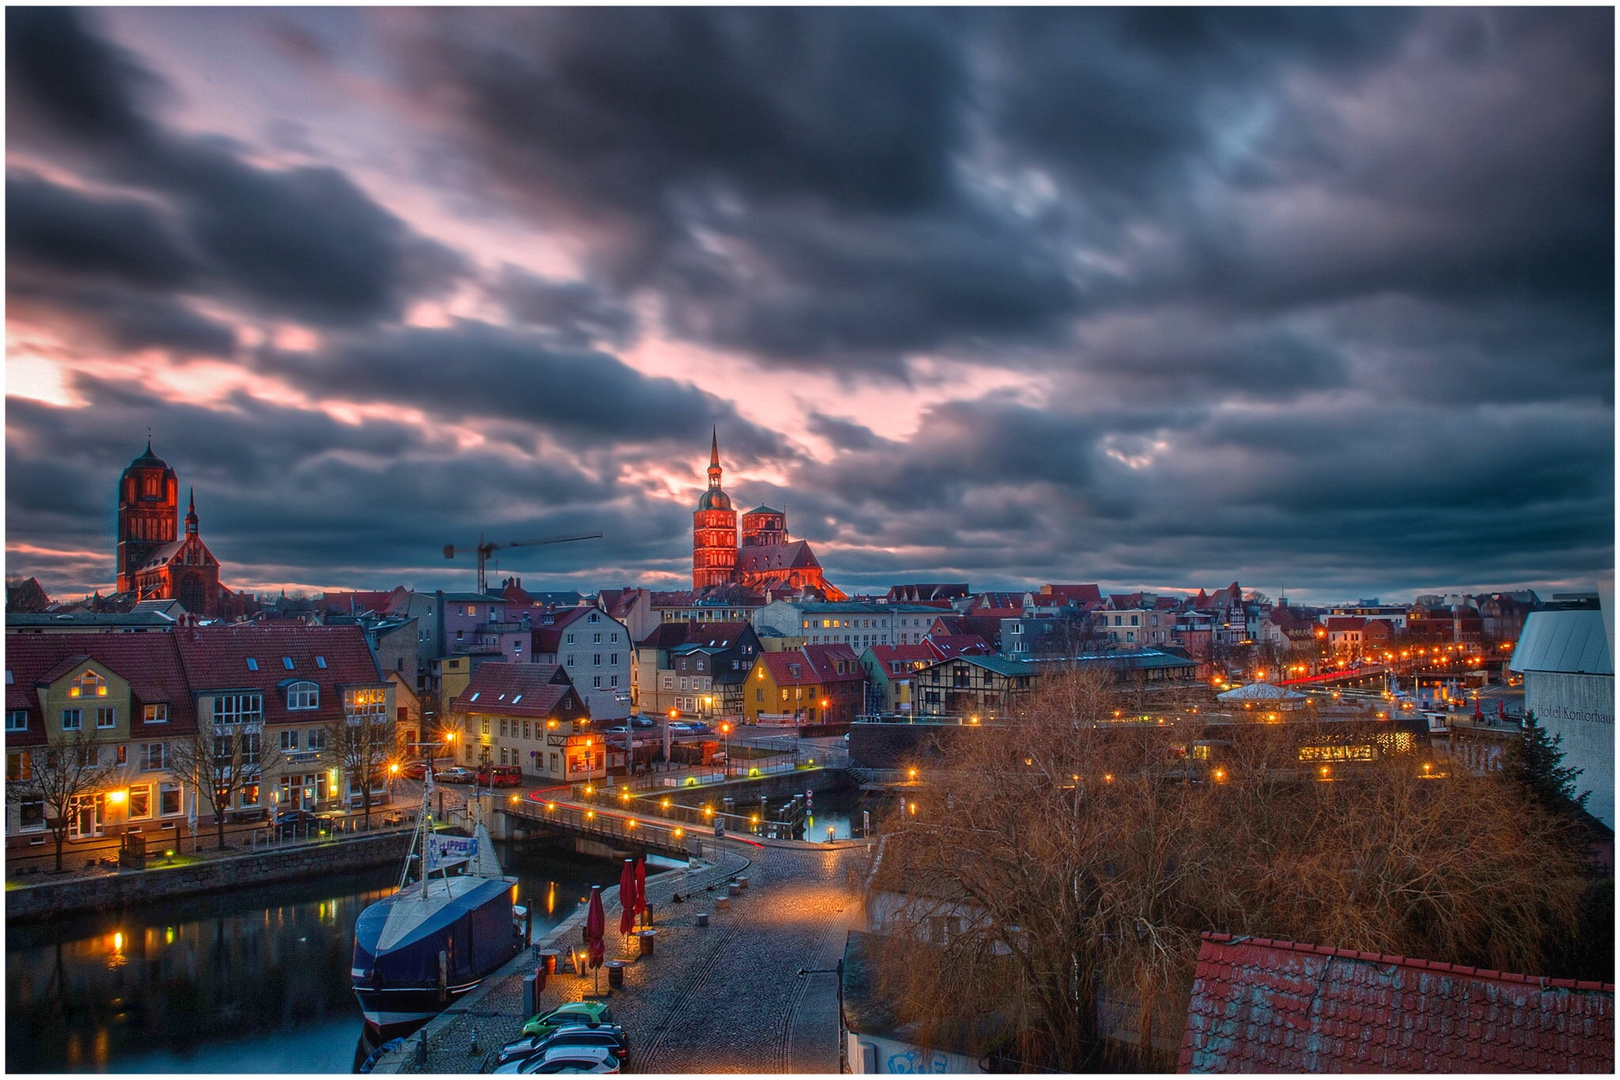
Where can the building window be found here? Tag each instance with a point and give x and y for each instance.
(570, 660)
(320, 662)
(238, 708)
(72, 719)
(570, 639)
(168, 799)
(669, 682)
(303, 695)
(289, 739)
(19, 765)
(155, 756)
(17, 720)
(106, 716)
(33, 815)
(253, 665)
(503, 731)
(526, 729)
(155, 714)
(484, 727)
(613, 680)
(140, 801)
(594, 617)
(88, 685)
(316, 740)
(596, 682)
(368, 702)
(613, 659)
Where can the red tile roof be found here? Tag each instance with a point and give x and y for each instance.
(949, 646)
(150, 662)
(1275, 1006)
(506, 689)
(1084, 595)
(793, 555)
(904, 655)
(1341, 623)
(215, 658)
(817, 664)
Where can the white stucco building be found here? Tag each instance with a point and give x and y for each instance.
(1568, 674)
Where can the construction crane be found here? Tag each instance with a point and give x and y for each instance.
(485, 550)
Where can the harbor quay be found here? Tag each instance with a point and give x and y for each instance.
(753, 991)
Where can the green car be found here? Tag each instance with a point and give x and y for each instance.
(575, 1012)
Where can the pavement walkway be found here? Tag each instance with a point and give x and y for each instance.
(725, 998)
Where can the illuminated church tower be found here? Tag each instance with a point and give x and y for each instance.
(148, 509)
(714, 530)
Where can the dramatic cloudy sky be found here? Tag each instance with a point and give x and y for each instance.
(1304, 298)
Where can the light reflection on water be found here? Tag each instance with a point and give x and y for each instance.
(255, 980)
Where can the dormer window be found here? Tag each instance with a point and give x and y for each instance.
(303, 695)
(88, 685)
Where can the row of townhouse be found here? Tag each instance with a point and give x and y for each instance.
(131, 706)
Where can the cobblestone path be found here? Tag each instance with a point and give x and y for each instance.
(726, 998)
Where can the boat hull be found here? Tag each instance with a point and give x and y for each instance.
(416, 952)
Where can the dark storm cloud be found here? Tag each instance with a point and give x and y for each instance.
(304, 242)
(792, 187)
(475, 369)
(124, 319)
(576, 314)
(57, 230)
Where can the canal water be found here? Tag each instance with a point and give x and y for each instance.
(252, 981)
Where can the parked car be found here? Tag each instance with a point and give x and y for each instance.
(685, 727)
(499, 776)
(565, 1059)
(639, 720)
(607, 1036)
(414, 770)
(455, 774)
(574, 1012)
(299, 823)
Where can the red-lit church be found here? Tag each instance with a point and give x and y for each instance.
(766, 559)
(155, 564)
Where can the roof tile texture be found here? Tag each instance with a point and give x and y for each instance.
(1276, 1006)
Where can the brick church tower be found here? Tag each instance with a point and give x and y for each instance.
(714, 530)
(148, 512)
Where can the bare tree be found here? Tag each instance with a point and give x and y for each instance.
(61, 776)
(362, 742)
(220, 761)
(1071, 861)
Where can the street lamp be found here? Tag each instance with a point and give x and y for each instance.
(725, 731)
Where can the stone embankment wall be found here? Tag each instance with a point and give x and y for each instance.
(130, 887)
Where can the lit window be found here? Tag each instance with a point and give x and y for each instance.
(155, 714)
(106, 716)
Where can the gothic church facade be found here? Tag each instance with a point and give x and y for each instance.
(765, 559)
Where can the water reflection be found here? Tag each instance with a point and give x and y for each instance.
(251, 981)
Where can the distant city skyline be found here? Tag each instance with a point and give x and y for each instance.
(1311, 299)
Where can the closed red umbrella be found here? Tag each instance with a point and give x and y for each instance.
(595, 928)
(641, 885)
(627, 896)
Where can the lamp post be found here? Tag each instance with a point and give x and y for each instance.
(725, 732)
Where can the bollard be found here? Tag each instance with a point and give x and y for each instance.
(721, 903)
(615, 970)
(703, 918)
(742, 883)
(421, 1050)
(531, 992)
(733, 889)
(647, 939)
(548, 957)
(473, 1049)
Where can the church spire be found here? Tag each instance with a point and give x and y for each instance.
(714, 459)
(191, 515)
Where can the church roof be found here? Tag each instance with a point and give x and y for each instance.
(793, 556)
(762, 509)
(714, 499)
(148, 460)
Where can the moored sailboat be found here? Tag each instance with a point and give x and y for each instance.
(439, 935)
